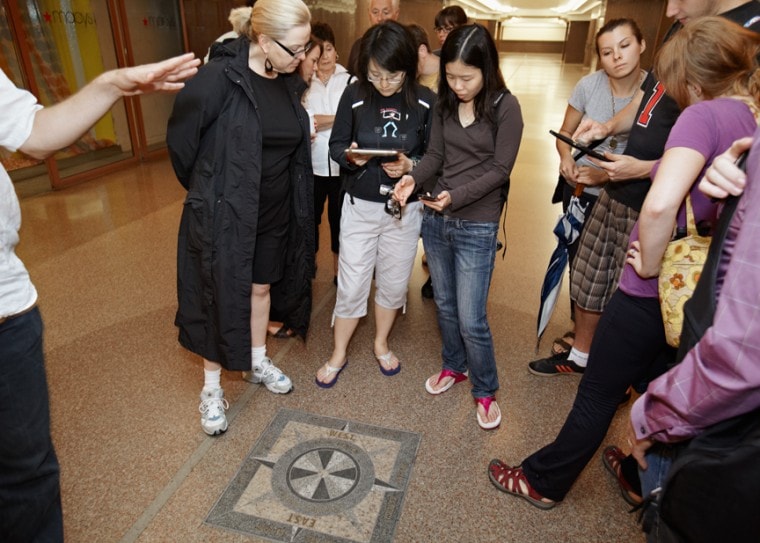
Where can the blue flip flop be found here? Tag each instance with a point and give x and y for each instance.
(331, 370)
(385, 359)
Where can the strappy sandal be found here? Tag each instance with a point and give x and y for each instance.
(456, 378)
(384, 360)
(487, 403)
(613, 457)
(513, 481)
(561, 345)
(330, 371)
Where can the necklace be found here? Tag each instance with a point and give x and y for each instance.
(613, 140)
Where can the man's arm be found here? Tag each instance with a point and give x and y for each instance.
(60, 125)
(590, 130)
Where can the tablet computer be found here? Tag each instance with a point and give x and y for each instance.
(374, 152)
(571, 142)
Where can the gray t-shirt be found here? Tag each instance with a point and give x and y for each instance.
(593, 97)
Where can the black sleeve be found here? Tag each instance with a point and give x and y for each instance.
(343, 129)
(196, 107)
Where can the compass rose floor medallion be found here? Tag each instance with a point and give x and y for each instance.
(316, 479)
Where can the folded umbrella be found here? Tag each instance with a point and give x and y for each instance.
(567, 230)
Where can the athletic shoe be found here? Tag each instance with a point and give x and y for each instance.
(212, 407)
(557, 364)
(271, 376)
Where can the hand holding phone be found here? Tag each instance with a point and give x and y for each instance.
(427, 197)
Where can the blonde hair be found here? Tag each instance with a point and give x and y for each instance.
(276, 17)
(713, 53)
(240, 19)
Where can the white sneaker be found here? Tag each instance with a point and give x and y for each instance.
(271, 376)
(212, 407)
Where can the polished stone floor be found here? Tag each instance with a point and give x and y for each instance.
(136, 465)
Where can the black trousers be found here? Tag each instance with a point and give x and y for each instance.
(628, 347)
(328, 188)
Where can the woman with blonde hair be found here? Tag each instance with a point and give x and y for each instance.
(239, 141)
(709, 68)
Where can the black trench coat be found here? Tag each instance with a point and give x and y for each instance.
(215, 144)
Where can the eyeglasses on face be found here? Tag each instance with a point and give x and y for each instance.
(445, 29)
(390, 80)
(292, 53)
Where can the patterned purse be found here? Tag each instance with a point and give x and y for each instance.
(681, 267)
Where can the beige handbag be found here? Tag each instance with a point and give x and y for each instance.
(681, 267)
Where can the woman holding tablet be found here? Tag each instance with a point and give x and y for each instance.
(386, 109)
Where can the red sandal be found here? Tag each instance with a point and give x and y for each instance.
(455, 375)
(612, 457)
(513, 481)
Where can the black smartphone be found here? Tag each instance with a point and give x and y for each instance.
(571, 142)
(427, 197)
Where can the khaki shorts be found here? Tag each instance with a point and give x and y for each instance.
(372, 240)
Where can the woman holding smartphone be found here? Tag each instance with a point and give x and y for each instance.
(476, 134)
(386, 109)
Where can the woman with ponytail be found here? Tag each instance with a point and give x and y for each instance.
(239, 141)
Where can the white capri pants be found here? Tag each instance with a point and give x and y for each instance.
(371, 239)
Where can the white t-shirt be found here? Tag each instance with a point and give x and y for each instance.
(17, 110)
(323, 100)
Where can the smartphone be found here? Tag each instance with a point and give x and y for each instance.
(374, 152)
(571, 142)
(427, 197)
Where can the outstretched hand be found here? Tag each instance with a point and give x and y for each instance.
(164, 76)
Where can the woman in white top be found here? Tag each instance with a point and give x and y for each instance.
(327, 86)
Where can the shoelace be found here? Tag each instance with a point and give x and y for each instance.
(270, 372)
(218, 404)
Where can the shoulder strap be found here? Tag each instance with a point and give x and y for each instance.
(699, 310)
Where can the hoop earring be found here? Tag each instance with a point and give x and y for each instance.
(268, 68)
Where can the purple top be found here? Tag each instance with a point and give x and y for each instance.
(709, 128)
(720, 377)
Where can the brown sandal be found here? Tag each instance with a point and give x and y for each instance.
(562, 345)
(613, 457)
(513, 481)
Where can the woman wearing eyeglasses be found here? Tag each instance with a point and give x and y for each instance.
(239, 140)
(477, 128)
(385, 110)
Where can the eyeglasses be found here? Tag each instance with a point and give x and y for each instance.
(391, 80)
(292, 53)
(445, 29)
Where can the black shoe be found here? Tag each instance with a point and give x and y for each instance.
(557, 364)
(427, 289)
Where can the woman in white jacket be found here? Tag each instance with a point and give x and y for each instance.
(327, 86)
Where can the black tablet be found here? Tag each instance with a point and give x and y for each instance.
(571, 142)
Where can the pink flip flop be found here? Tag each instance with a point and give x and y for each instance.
(458, 377)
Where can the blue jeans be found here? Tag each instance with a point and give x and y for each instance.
(659, 460)
(30, 494)
(460, 256)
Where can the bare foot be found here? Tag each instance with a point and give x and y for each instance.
(439, 385)
(327, 372)
(493, 412)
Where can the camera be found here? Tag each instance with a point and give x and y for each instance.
(392, 207)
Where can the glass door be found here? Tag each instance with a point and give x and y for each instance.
(54, 47)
